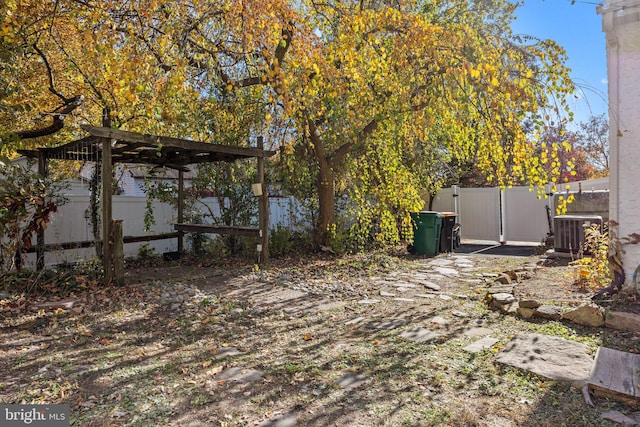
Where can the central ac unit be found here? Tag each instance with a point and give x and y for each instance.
(569, 231)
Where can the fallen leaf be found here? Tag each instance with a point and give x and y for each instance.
(220, 382)
(45, 346)
(105, 341)
(206, 363)
(213, 351)
(307, 337)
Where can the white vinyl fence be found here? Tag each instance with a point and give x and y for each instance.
(71, 224)
(512, 215)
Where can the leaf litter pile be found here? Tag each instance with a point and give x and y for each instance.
(309, 342)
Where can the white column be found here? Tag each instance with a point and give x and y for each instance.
(621, 23)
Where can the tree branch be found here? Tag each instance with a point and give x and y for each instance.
(58, 120)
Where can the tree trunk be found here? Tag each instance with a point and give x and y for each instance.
(325, 184)
(326, 192)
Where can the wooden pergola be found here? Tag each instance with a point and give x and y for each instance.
(110, 146)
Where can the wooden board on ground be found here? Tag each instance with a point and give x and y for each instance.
(616, 374)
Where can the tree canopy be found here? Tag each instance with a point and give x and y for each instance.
(363, 98)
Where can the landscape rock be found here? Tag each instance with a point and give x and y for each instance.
(525, 312)
(550, 312)
(529, 303)
(500, 289)
(504, 302)
(623, 321)
(505, 279)
(588, 314)
(503, 298)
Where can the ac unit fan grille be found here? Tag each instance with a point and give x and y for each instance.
(569, 233)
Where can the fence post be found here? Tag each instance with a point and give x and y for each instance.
(118, 252)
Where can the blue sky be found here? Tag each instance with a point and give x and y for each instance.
(577, 28)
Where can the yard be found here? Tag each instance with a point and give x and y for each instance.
(314, 341)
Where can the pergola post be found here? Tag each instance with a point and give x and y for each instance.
(263, 208)
(107, 212)
(180, 210)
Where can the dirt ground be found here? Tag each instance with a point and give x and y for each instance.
(308, 341)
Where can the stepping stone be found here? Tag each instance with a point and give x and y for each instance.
(419, 335)
(404, 299)
(481, 345)
(387, 294)
(440, 262)
(437, 320)
(369, 301)
(445, 297)
(240, 375)
(405, 285)
(431, 285)
(64, 304)
(290, 419)
(355, 321)
(227, 352)
(457, 313)
(620, 418)
(430, 296)
(387, 325)
(351, 380)
(449, 272)
(476, 332)
(616, 374)
(551, 357)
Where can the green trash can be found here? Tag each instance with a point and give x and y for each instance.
(426, 232)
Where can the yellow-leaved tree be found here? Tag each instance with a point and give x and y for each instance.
(366, 96)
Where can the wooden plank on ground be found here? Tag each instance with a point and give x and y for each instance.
(616, 374)
(218, 229)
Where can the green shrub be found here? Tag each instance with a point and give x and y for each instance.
(280, 241)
